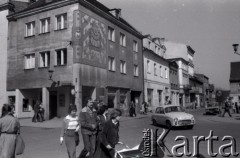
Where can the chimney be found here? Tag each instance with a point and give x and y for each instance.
(162, 40)
(116, 12)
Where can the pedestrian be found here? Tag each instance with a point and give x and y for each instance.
(142, 111)
(89, 122)
(133, 109)
(103, 117)
(236, 107)
(37, 117)
(227, 106)
(9, 128)
(69, 131)
(110, 135)
(145, 108)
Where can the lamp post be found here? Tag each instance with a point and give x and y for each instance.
(235, 48)
(50, 73)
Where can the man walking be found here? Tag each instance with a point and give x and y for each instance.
(88, 121)
(227, 107)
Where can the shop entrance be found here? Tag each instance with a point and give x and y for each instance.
(52, 104)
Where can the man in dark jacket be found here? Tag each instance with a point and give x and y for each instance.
(88, 121)
(227, 107)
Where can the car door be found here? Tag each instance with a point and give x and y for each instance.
(160, 114)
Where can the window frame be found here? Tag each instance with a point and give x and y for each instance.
(135, 70)
(29, 63)
(43, 21)
(122, 39)
(63, 62)
(111, 34)
(123, 67)
(41, 62)
(63, 24)
(155, 69)
(135, 46)
(32, 25)
(111, 63)
(148, 67)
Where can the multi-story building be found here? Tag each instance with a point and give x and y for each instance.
(206, 89)
(63, 52)
(235, 82)
(6, 7)
(174, 83)
(178, 52)
(156, 72)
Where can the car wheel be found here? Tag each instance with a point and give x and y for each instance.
(154, 122)
(168, 124)
(190, 127)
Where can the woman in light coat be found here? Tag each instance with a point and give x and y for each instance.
(9, 128)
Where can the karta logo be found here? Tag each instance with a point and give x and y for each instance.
(151, 143)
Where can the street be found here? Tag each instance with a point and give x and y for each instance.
(44, 143)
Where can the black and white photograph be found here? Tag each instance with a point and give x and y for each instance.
(119, 78)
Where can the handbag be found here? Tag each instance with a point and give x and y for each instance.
(76, 138)
(20, 145)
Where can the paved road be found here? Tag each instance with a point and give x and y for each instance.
(44, 143)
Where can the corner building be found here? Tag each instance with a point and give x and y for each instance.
(65, 51)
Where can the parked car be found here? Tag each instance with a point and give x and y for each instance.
(172, 116)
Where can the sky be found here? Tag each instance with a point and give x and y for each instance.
(210, 27)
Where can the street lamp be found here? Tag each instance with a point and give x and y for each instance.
(235, 48)
(50, 73)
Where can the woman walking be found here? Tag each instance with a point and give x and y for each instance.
(102, 119)
(109, 136)
(9, 128)
(70, 131)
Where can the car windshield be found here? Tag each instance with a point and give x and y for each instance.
(172, 109)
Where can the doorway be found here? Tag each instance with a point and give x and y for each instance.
(53, 104)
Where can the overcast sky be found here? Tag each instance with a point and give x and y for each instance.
(210, 27)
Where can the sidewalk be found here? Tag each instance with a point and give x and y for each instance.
(234, 119)
(57, 122)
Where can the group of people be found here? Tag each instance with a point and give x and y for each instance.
(38, 112)
(9, 128)
(99, 129)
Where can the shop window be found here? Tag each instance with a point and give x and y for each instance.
(26, 105)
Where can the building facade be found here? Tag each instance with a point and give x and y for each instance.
(64, 52)
(6, 7)
(174, 83)
(178, 52)
(235, 82)
(156, 72)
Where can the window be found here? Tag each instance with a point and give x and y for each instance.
(166, 73)
(156, 49)
(160, 68)
(148, 67)
(135, 54)
(149, 44)
(44, 59)
(61, 21)
(135, 70)
(123, 67)
(29, 61)
(135, 46)
(111, 64)
(45, 25)
(122, 39)
(155, 69)
(61, 57)
(30, 29)
(26, 106)
(111, 34)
